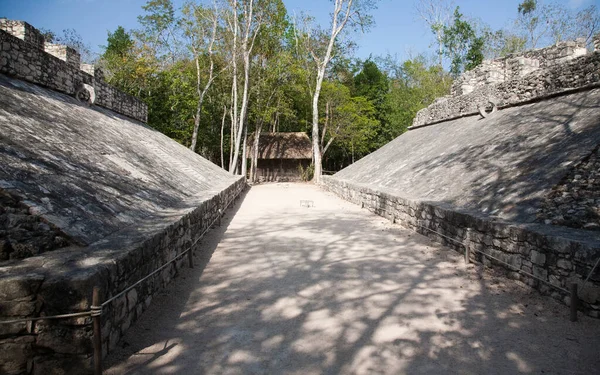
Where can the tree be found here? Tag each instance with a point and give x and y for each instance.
(120, 43)
(70, 38)
(348, 119)
(587, 24)
(501, 43)
(371, 83)
(416, 85)
(462, 45)
(200, 27)
(344, 11)
(436, 14)
(245, 19)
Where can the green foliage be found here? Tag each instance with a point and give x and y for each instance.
(361, 107)
(306, 174)
(462, 45)
(371, 83)
(120, 43)
(416, 86)
(502, 42)
(527, 7)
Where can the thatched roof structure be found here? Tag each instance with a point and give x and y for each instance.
(283, 146)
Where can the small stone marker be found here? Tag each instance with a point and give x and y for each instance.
(306, 203)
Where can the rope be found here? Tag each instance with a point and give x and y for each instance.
(503, 262)
(108, 301)
(97, 310)
(589, 275)
(72, 315)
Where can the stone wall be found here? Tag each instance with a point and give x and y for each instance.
(23, 234)
(515, 80)
(23, 54)
(62, 282)
(516, 66)
(557, 257)
(575, 201)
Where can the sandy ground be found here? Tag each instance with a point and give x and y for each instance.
(333, 289)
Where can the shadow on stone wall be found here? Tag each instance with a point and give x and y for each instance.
(532, 169)
(324, 308)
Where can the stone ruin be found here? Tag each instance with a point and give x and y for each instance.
(89, 197)
(24, 54)
(506, 164)
(516, 79)
(517, 66)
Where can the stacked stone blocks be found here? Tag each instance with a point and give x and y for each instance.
(25, 55)
(516, 80)
(527, 247)
(64, 346)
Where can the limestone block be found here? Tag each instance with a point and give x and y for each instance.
(17, 308)
(15, 354)
(132, 298)
(63, 365)
(20, 288)
(540, 272)
(537, 257)
(564, 264)
(590, 294)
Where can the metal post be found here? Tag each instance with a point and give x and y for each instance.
(97, 322)
(190, 258)
(574, 300)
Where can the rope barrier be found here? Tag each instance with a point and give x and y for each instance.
(177, 257)
(72, 315)
(96, 311)
(501, 261)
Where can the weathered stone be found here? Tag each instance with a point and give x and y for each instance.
(537, 257)
(63, 365)
(17, 308)
(590, 294)
(15, 354)
(546, 257)
(19, 288)
(511, 80)
(132, 297)
(63, 339)
(564, 264)
(127, 215)
(540, 272)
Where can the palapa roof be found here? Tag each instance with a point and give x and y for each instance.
(283, 146)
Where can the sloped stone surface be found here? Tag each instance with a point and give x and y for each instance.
(89, 171)
(130, 199)
(502, 166)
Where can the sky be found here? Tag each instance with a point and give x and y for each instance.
(398, 31)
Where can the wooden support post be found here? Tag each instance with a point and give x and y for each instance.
(468, 246)
(467, 254)
(97, 323)
(190, 258)
(574, 301)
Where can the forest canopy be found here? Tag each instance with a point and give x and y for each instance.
(215, 72)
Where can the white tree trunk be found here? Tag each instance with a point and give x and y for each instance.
(321, 67)
(222, 135)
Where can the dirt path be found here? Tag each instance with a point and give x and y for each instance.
(334, 289)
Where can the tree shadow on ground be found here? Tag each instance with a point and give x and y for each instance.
(340, 291)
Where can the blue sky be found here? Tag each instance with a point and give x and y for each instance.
(397, 31)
